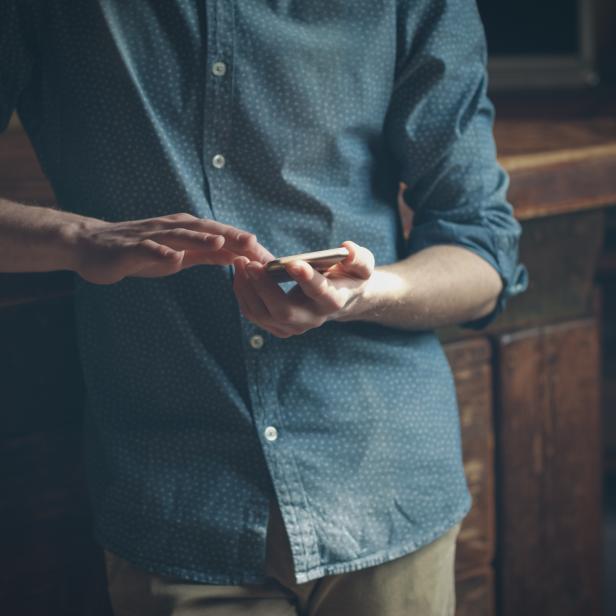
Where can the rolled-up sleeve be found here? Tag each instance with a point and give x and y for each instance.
(440, 129)
(15, 57)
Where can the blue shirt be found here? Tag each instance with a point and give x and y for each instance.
(319, 108)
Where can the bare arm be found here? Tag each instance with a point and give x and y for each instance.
(36, 239)
(441, 285)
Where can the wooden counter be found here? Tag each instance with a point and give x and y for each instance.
(528, 390)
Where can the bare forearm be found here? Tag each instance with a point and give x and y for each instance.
(37, 239)
(439, 286)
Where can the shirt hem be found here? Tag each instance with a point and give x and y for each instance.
(383, 556)
(301, 577)
(175, 571)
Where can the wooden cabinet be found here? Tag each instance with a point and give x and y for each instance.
(536, 397)
(548, 443)
(475, 592)
(542, 381)
(49, 562)
(471, 362)
(607, 280)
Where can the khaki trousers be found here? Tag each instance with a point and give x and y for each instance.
(419, 584)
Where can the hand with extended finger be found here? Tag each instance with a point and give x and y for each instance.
(315, 299)
(106, 252)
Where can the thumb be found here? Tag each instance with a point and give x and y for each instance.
(359, 262)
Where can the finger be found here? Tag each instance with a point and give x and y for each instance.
(149, 249)
(237, 240)
(152, 258)
(246, 244)
(187, 239)
(250, 303)
(219, 257)
(239, 262)
(359, 262)
(315, 286)
(277, 302)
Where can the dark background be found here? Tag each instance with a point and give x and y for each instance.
(531, 26)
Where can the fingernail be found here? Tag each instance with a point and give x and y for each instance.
(244, 238)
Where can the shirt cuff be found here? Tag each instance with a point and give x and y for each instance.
(502, 256)
(515, 281)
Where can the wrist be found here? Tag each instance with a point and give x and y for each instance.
(73, 237)
(371, 299)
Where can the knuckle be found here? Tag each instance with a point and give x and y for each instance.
(295, 330)
(300, 329)
(248, 239)
(368, 259)
(174, 217)
(149, 245)
(337, 303)
(285, 314)
(321, 290)
(177, 233)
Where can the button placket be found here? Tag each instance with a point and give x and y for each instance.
(218, 105)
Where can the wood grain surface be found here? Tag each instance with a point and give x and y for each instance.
(475, 593)
(549, 473)
(49, 562)
(471, 364)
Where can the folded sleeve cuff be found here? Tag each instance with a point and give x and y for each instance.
(499, 250)
(518, 283)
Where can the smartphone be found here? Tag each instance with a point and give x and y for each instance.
(321, 260)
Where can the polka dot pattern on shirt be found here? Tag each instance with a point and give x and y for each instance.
(295, 120)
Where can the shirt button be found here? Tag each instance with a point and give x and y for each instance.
(219, 69)
(218, 161)
(271, 434)
(257, 342)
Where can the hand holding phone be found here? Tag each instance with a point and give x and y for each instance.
(321, 261)
(314, 300)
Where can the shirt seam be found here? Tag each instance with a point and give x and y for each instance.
(237, 578)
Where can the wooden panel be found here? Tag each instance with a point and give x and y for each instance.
(560, 153)
(40, 374)
(49, 563)
(607, 280)
(606, 41)
(21, 177)
(26, 288)
(549, 459)
(561, 256)
(533, 129)
(470, 361)
(475, 594)
(566, 182)
(609, 372)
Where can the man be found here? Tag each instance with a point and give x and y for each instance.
(253, 448)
